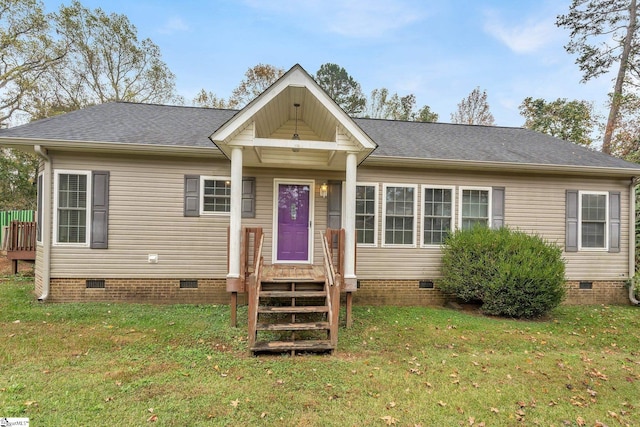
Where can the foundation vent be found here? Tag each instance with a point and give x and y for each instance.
(95, 283)
(188, 284)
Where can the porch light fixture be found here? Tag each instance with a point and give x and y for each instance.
(323, 190)
(295, 134)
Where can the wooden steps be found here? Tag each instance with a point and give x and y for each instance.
(285, 346)
(300, 309)
(293, 326)
(292, 294)
(292, 314)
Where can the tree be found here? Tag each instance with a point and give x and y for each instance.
(605, 34)
(474, 110)
(569, 120)
(26, 52)
(342, 88)
(626, 139)
(383, 105)
(256, 80)
(18, 173)
(106, 62)
(208, 100)
(426, 115)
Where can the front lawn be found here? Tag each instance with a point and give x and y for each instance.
(125, 364)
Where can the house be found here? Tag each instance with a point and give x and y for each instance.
(143, 202)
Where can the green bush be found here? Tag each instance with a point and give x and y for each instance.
(510, 272)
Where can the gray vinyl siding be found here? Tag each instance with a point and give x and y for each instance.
(146, 216)
(533, 204)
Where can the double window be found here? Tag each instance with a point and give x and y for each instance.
(72, 201)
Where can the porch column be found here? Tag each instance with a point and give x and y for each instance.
(350, 280)
(235, 222)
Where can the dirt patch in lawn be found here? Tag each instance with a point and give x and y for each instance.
(24, 268)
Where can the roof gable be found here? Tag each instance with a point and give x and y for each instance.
(293, 100)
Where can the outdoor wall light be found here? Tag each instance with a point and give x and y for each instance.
(324, 190)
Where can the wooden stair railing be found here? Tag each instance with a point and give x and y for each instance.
(250, 245)
(336, 243)
(253, 288)
(333, 283)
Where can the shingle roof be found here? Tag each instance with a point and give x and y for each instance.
(191, 127)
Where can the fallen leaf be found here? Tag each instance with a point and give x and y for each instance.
(472, 421)
(441, 403)
(495, 410)
(262, 415)
(389, 420)
(235, 403)
(150, 409)
(580, 421)
(391, 405)
(152, 419)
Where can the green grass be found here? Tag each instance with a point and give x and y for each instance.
(100, 364)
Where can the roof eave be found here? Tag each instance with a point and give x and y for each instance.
(112, 147)
(474, 165)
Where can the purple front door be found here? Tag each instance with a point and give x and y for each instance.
(293, 222)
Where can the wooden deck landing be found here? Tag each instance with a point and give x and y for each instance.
(292, 273)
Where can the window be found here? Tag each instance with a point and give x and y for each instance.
(399, 214)
(437, 214)
(366, 207)
(475, 206)
(216, 195)
(593, 220)
(73, 194)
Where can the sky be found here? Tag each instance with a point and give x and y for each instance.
(438, 50)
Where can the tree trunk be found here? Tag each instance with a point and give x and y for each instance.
(622, 71)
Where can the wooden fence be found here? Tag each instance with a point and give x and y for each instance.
(7, 216)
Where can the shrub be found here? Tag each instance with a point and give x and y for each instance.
(510, 272)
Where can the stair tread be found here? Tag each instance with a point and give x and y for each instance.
(300, 326)
(318, 345)
(295, 309)
(292, 294)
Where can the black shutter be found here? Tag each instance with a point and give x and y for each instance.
(571, 227)
(614, 221)
(497, 208)
(334, 205)
(40, 207)
(248, 197)
(192, 195)
(100, 210)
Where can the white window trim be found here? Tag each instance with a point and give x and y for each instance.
(40, 212)
(56, 179)
(490, 207)
(416, 200)
(423, 187)
(376, 201)
(606, 224)
(211, 178)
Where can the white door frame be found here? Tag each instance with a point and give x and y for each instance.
(276, 194)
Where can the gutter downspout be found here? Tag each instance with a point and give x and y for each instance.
(632, 240)
(46, 223)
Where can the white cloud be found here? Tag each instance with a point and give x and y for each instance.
(350, 18)
(175, 24)
(522, 38)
